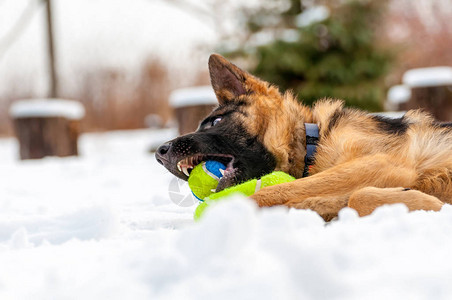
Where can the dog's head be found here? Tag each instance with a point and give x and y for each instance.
(253, 131)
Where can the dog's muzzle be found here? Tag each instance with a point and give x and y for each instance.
(161, 155)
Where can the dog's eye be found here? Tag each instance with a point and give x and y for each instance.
(208, 124)
(216, 121)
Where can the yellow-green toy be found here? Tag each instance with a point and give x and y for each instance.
(204, 179)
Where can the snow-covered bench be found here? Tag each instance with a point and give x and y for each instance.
(397, 96)
(191, 105)
(47, 127)
(431, 89)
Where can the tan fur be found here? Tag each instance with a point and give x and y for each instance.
(357, 164)
(365, 200)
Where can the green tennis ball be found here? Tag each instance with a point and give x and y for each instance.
(247, 189)
(204, 178)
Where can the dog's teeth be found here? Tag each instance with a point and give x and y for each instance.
(213, 190)
(222, 172)
(184, 169)
(178, 167)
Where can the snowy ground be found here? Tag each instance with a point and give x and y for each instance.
(102, 225)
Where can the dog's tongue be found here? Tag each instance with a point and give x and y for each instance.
(221, 186)
(226, 181)
(225, 174)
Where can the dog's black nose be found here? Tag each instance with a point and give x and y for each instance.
(163, 149)
(161, 152)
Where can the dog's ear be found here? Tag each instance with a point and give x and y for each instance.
(228, 81)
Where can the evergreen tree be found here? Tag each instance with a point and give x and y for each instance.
(337, 57)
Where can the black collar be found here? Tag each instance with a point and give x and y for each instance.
(312, 139)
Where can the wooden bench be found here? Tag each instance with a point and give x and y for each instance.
(431, 89)
(191, 105)
(47, 127)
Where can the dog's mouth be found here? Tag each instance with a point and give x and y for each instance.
(186, 165)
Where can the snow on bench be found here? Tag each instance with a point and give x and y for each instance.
(191, 105)
(399, 94)
(47, 127)
(428, 77)
(192, 96)
(45, 108)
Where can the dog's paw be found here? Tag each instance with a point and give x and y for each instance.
(269, 196)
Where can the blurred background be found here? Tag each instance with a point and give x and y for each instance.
(122, 59)
(102, 83)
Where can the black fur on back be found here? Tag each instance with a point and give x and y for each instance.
(392, 126)
(337, 115)
(443, 124)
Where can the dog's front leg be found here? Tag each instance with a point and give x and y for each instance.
(338, 182)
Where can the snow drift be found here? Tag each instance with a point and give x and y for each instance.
(102, 225)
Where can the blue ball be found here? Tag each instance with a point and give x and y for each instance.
(214, 167)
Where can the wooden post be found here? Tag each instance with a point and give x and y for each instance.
(431, 90)
(436, 100)
(52, 136)
(47, 128)
(188, 117)
(54, 84)
(397, 96)
(191, 105)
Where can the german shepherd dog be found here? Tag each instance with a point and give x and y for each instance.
(361, 160)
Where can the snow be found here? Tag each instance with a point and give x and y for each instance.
(425, 77)
(102, 225)
(193, 96)
(161, 136)
(390, 114)
(311, 15)
(42, 108)
(399, 94)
